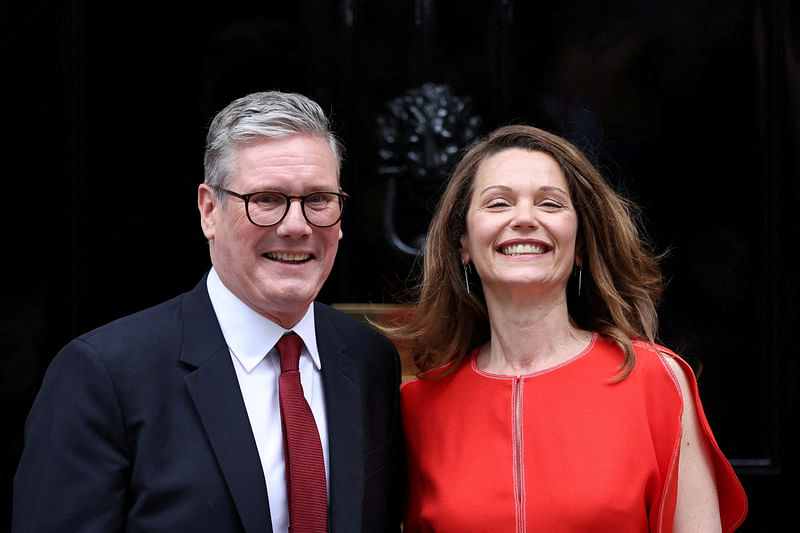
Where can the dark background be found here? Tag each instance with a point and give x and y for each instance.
(690, 107)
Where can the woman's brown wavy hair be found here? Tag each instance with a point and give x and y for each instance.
(621, 280)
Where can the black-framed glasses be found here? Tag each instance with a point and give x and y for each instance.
(267, 208)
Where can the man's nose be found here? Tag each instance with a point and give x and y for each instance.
(294, 223)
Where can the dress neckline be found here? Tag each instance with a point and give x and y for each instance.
(473, 362)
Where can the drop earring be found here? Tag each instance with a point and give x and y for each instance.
(466, 276)
(580, 279)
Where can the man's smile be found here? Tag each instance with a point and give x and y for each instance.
(286, 257)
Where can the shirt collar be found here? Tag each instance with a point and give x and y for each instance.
(249, 335)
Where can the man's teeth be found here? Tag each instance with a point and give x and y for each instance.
(281, 256)
(518, 249)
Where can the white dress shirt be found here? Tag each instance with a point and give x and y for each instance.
(251, 339)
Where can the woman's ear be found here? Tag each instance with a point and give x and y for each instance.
(464, 251)
(579, 251)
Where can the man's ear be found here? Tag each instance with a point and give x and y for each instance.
(208, 205)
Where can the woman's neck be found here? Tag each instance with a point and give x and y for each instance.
(529, 335)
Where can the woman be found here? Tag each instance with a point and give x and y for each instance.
(544, 403)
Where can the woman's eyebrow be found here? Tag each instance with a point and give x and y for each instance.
(507, 188)
(501, 187)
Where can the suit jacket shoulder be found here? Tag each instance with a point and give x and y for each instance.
(139, 412)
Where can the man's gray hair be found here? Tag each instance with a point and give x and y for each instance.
(268, 114)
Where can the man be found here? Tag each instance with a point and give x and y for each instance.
(171, 420)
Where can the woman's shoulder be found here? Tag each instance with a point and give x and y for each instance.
(662, 373)
(429, 377)
(658, 358)
(436, 377)
(650, 360)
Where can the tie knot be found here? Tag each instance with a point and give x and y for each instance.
(289, 347)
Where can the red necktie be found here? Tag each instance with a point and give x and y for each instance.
(305, 466)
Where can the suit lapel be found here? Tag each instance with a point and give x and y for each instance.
(214, 389)
(345, 432)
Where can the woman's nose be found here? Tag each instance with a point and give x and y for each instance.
(524, 215)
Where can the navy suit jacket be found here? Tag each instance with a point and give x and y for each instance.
(140, 426)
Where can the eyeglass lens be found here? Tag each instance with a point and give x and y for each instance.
(319, 208)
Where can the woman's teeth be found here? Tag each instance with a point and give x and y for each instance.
(520, 249)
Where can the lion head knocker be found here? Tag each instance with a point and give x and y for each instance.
(419, 134)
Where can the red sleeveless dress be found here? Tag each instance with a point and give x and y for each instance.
(562, 450)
